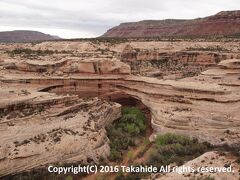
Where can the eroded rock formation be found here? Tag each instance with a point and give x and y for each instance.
(38, 118)
(44, 129)
(223, 23)
(209, 159)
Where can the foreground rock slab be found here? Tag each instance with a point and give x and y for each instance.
(63, 130)
(209, 159)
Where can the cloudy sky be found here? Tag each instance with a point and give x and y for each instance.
(91, 18)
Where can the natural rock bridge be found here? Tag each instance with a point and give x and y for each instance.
(206, 106)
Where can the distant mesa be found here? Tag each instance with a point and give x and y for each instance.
(25, 36)
(225, 23)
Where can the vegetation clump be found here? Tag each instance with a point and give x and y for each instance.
(28, 53)
(209, 48)
(172, 148)
(236, 152)
(166, 149)
(125, 132)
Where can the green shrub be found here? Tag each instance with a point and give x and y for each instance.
(124, 132)
(206, 178)
(28, 53)
(115, 155)
(133, 121)
(171, 148)
(69, 178)
(120, 176)
(169, 138)
(238, 156)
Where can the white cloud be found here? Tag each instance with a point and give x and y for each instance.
(81, 18)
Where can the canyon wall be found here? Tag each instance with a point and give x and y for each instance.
(225, 23)
(53, 105)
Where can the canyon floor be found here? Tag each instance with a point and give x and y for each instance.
(58, 97)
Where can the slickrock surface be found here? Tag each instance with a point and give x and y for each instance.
(209, 159)
(102, 66)
(160, 59)
(231, 64)
(38, 118)
(223, 23)
(45, 129)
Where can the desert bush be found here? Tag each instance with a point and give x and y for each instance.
(28, 53)
(170, 138)
(120, 176)
(209, 48)
(237, 154)
(115, 155)
(206, 178)
(171, 148)
(124, 132)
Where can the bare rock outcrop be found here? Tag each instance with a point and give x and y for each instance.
(47, 129)
(156, 63)
(224, 23)
(209, 159)
(38, 119)
(95, 66)
(231, 64)
(91, 66)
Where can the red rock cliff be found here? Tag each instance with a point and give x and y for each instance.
(224, 23)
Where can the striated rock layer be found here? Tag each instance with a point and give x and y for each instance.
(209, 159)
(41, 124)
(50, 129)
(224, 23)
(205, 106)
